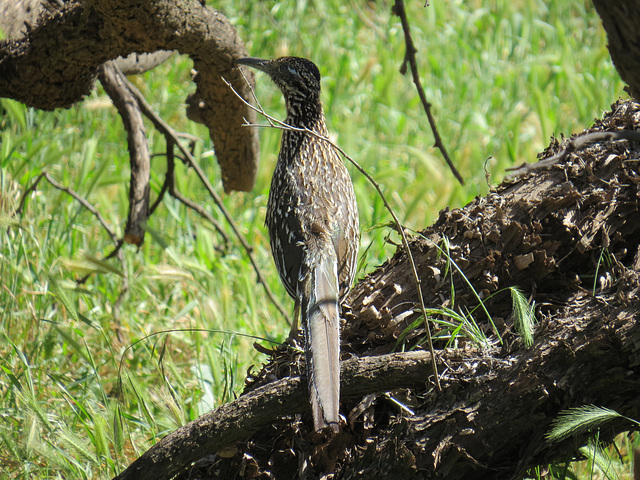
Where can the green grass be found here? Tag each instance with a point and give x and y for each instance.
(599, 461)
(83, 391)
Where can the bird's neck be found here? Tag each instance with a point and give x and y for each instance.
(307, 115)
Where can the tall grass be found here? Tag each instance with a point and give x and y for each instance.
(83, 390)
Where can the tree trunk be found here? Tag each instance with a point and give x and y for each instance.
(620, 19)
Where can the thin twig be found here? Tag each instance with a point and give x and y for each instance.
(170, 186)
(26, 193)
(169, 132)
(279, 124)
(195, 207)
(84, 203)
(163, 190)
(173, 138)
(410, 58)
(253, 95)
(117, 251)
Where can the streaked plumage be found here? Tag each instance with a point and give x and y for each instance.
(312, 219)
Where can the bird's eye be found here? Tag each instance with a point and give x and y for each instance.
(287, 68)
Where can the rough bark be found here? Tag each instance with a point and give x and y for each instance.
(18, 17)
(55, 64)
(546, 233)
(125, 102)
(620, 20)
(237, 420)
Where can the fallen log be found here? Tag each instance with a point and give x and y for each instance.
(547, 232)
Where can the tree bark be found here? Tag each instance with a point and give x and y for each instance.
(620, 20)
(489, 422)
(55, 64)
(237, 420)
(545, 232)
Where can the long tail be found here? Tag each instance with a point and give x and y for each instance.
(321, 321)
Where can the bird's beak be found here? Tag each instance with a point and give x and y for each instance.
(257, 63)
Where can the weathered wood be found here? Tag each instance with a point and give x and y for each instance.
(237, 420)
(545, 233)
(489, 422)
(112, 80)
(55, 64)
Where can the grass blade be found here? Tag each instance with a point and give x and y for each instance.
(579, 420)
(600, 459)
(524, 316)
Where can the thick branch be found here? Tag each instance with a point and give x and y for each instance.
(490, 409)
(620, 21)
(56, 64)
(237, 420)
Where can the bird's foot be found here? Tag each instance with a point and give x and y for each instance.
(294, 340)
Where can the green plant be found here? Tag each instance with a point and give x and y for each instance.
(589, 419)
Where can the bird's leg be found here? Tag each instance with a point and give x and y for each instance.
(294, 333)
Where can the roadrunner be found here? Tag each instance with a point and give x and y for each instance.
(312, 217)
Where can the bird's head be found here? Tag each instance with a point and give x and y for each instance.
(298, 78)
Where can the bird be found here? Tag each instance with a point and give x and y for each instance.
(312, 219)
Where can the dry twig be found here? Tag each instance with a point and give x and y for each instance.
(117, 251)
(576, 143)
(410, 58)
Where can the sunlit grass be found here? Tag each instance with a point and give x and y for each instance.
(83, 390)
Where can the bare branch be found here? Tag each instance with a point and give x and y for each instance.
(410, 58)
(115, 84)
(576, 143)
(26, 193)
(83, 201)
